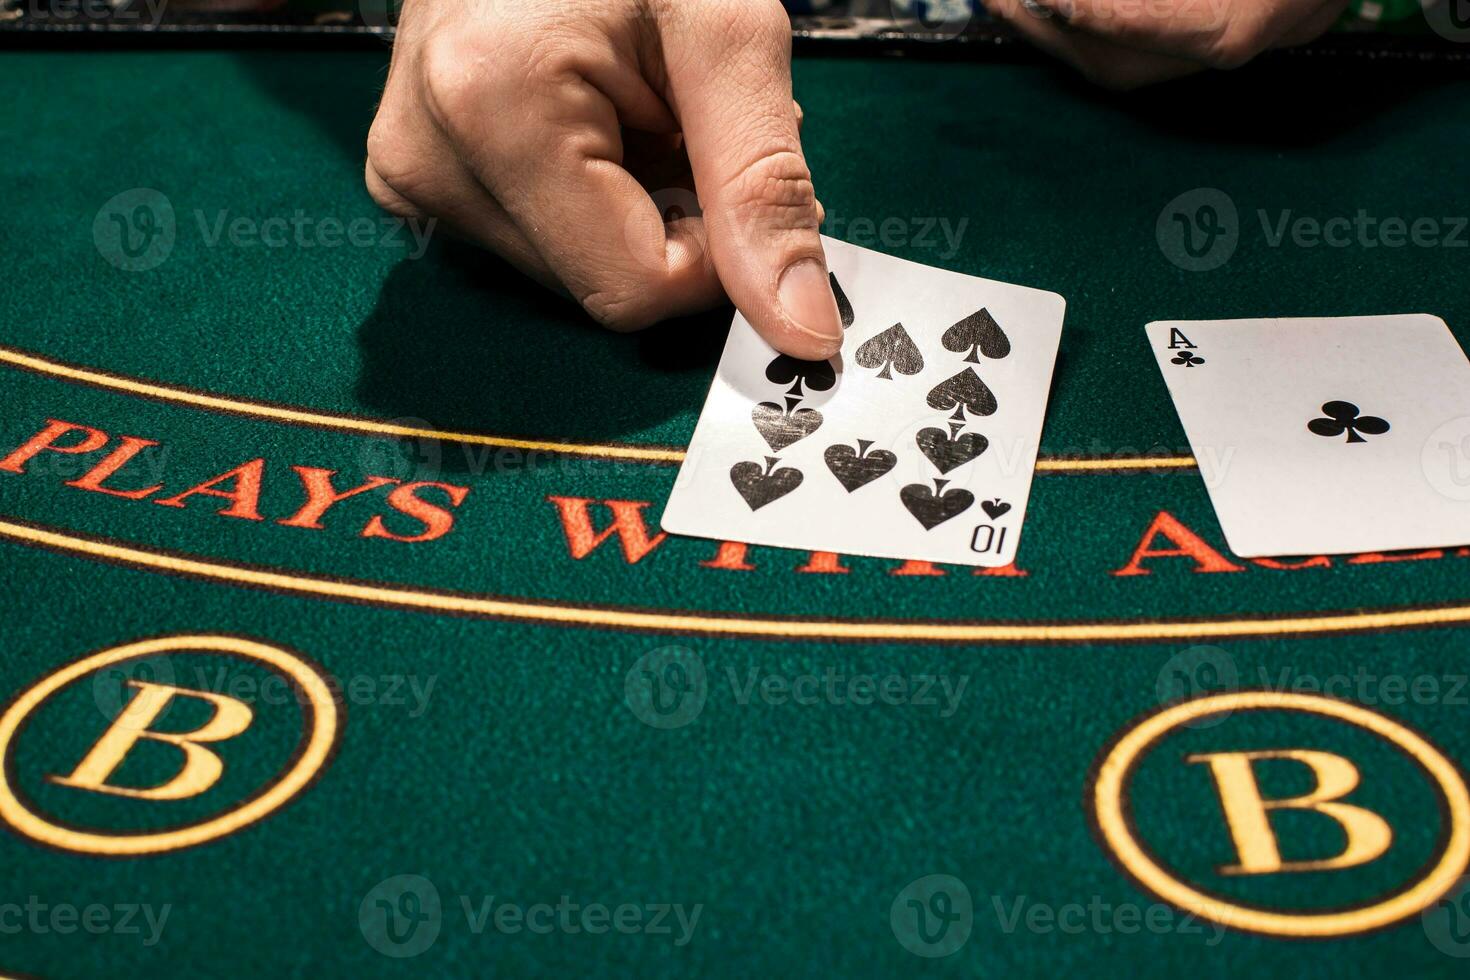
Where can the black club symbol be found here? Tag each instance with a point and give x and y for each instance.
(1188, 359)
(1343, 417)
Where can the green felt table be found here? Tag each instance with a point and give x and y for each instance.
(573, 733)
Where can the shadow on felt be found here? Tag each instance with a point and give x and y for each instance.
(460, 341)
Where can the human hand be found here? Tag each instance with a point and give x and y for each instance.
(1124, 44)
(540, 130)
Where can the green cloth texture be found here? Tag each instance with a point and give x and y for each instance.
(526, 773)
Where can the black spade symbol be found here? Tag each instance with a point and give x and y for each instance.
(933, 507)
(788, 370)
(844, 307)
(857, 468)
(965, 389)
(889, 351)
(977, 332)
(995, 508)
(947, 452)
(761, 486)
(779, 428)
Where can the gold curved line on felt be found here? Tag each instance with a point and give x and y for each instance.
(715, 624)
(1064, 464)
(350, 423)
(322, 420)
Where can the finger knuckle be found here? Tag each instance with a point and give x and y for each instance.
(460, 79)
(393, 166)
(1234, 42)
(621, 310)
(556, 59)
(384, 196)
(750, 22)
(775, 189)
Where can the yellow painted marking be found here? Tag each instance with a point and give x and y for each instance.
(349, 423)
(710, 623)
(314, 754)
(322, 420)
(1063, 464)
(1110, 803)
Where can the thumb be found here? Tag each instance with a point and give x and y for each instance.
(729, 80)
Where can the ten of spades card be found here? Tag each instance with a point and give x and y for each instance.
(917, 441)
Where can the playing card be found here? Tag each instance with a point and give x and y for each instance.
(917, 441)
(1329, 435)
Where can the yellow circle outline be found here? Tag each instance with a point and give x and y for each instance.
(1112, 822)
(312, 758)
